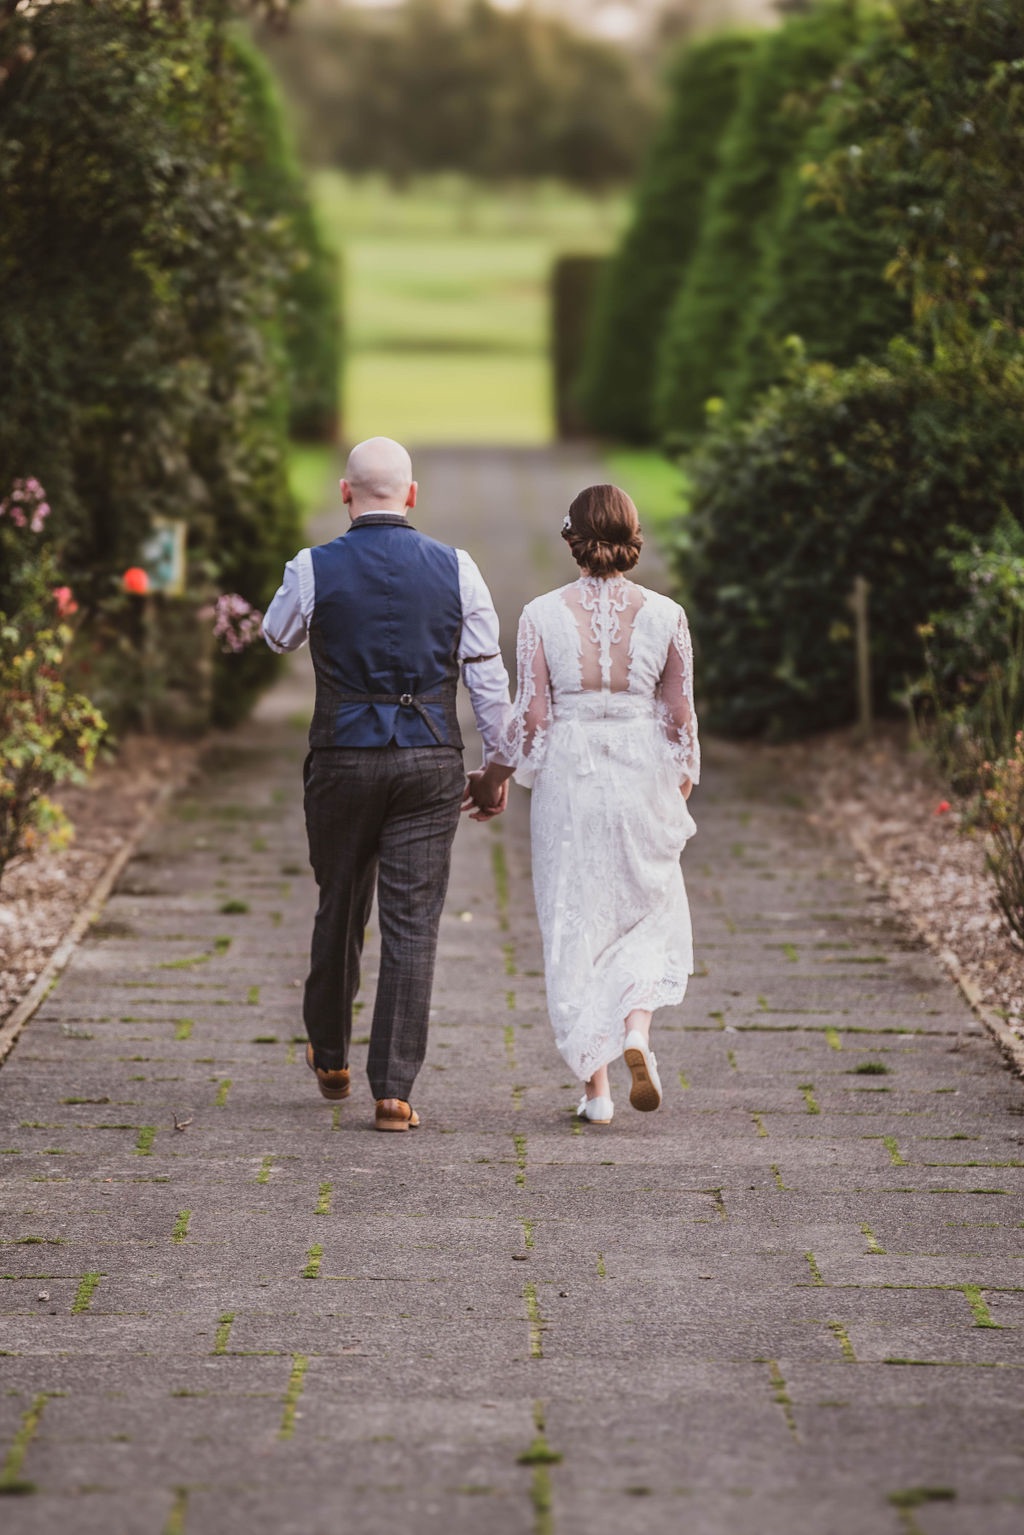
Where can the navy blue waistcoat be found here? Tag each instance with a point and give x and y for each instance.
(384, 638)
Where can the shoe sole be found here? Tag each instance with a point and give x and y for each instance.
(394, 1124)
(586, 1119)
(643, 1095)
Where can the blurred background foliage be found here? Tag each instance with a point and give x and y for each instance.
(428, 86)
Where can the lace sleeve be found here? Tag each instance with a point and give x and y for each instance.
(524, 739)
(675, 697)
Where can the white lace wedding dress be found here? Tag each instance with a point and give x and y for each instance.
(604, 732)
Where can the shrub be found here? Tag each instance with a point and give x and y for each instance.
(823, 265)
(873, 471)
(574, 281)
(48, 734)
(645, 273)
(1002, 815)
(970, 703)
(699, 348)
(139, 294)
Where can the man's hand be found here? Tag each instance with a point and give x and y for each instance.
(486, 793)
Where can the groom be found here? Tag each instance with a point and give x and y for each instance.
(390, 616)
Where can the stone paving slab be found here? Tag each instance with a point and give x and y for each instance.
(793, 1300)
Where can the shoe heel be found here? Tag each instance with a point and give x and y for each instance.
(333, 1094)
(391, 1124)
(643, 1095)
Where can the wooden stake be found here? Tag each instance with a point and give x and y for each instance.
(859, 604)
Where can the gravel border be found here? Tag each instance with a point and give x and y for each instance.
(887, 800)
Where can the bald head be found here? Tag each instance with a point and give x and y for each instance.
(378, 477)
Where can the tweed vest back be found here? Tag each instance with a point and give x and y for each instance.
(384, 638)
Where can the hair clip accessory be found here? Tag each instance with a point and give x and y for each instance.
(567, 524)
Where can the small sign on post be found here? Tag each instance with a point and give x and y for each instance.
(163, 556)
(859, 604)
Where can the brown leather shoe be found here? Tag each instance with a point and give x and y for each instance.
(332, 1084)
(395, 1114)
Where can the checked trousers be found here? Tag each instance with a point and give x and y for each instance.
(381, 818)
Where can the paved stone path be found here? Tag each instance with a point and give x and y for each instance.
(791, 1301)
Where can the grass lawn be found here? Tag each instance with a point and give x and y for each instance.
(313, 475)
(657, 485)
(446, 303)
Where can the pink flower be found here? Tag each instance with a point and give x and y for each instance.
(26, 505)
(236, 623)
(136, 581)
(942, 807)
(64, 598)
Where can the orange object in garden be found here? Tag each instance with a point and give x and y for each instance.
(136, 581)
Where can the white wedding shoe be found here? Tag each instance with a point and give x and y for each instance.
(598, 1111)
(645, 1094)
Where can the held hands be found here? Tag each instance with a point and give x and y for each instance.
(486, 792)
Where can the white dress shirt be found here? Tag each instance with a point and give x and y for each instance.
(286, 627)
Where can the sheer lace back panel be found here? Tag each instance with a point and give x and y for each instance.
(604, 613)
(613, 639)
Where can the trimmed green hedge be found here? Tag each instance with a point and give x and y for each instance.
(311, 299)
(822, 273)
(140, 295)
(641, 280)
(700, 346)
(873, 472)
(574, 283)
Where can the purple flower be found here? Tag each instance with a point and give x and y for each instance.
(236, 623)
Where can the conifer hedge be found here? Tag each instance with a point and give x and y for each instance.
(573, 287)
(311, 301)
(700, 345)
(822, 274)
(640, 281)
(142, 284)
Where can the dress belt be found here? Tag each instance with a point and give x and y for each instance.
(407, 701)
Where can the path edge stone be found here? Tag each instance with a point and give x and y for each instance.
(23, 1011)
(1010, 1046)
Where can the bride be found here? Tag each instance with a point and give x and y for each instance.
(604, 732)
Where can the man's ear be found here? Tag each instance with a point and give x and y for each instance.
(346, 492)
(410, 499)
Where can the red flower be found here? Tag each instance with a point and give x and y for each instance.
(66, 604)
(942, 807)
(136, 581)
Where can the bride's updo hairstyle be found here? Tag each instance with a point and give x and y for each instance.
(603, 531)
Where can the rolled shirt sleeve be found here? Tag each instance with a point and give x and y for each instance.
(483, 670)
(286, 621)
